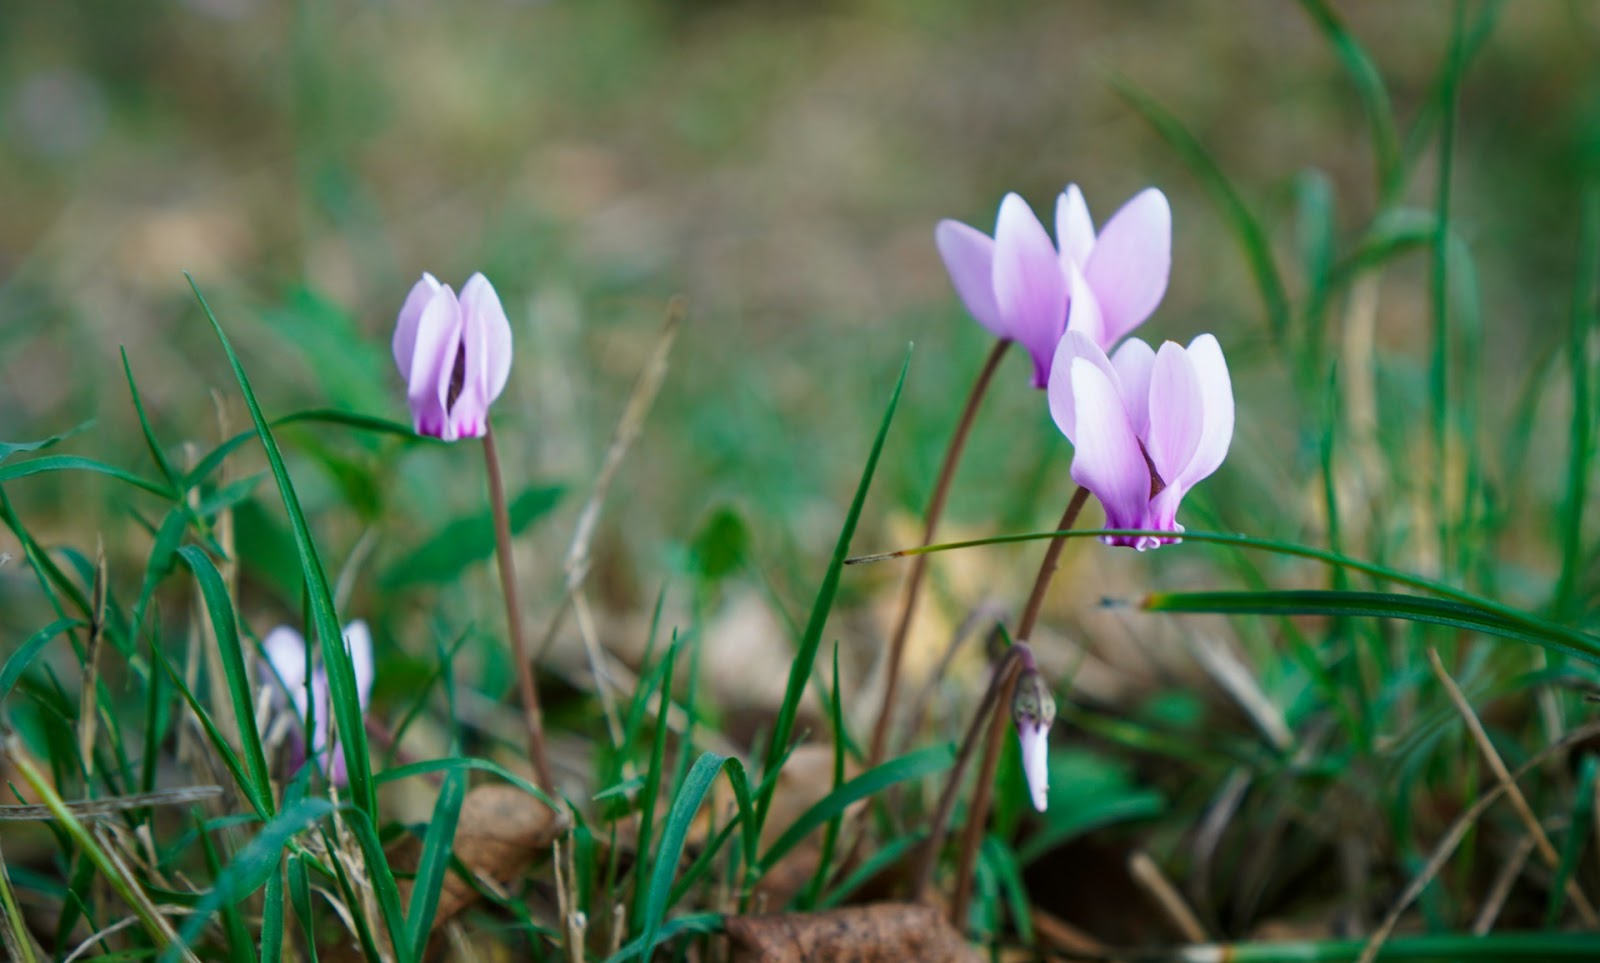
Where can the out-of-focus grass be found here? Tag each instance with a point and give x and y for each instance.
(783, 165)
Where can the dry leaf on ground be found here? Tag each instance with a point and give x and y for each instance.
(879, 933)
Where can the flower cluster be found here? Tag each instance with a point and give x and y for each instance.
(1146, 425)
(289, 660)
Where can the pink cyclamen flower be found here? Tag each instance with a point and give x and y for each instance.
(1145, 425)
(1020, 286)
(287, 658)
(1033, 710)
(455, 354)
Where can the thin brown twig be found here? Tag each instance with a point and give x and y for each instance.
(1154, 882)
(533, 717)
(1500, 890)
(919, 566)
(1519, 802)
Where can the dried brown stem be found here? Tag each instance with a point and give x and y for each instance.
(919, 566)
(526, 684)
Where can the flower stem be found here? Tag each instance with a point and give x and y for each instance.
(1011, 664)
(919, 566)
(519, 647)
(978, 811)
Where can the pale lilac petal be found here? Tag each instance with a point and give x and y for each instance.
(1216, 390)
(1163, 515)
(405, 328)
(433, 363)
(1130, 262)
(1177, 415)
(1029, 288)
(969, 257)
(1074, 229)
(322, 721)
(469, 414)
(1083, 312)
(358, 643)
(1134, 361)
(286, 655)
(1035, 742)
(1107, 458)
(481, 305)
(1059, 391)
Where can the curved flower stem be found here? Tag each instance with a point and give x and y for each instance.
(913, 586)
(519, 647)
(1011, 664)
(978, 812)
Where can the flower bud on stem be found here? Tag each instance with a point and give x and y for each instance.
(526, 684)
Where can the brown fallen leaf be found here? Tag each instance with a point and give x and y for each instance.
(876, 933)
(501, 831)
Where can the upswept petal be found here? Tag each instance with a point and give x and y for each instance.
(1133, 362)
(481, 305)
(1131, 260)
(1107, 459)
(968, 255)
(1177, 416)
(433, 363)
(469, 413)
(1083, 311)
(1216, 390)
(1035, 742)
(358, 643)
(1029, 288)
(286, 654)
(1063, 408)
(1074, 228)
(405, 327)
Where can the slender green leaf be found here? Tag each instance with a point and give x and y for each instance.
(800, 669)
(300, 898)
(1580, 448)
(1578, 827)
(435, 861)
(272, 920)
(673, 833)
(655, 777)
(465, 762)
(48, 463)
(225, 626)
(241, 946)
(18, 662)
(915, 765)
(382, 877)
(325, 416)
(341, 675)
(9, 448)
(157, 455)
(1369, 87)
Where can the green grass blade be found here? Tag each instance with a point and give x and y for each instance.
(1384, 605)
(1370, 88)
(805, 657)
(226, 628)
(157, 455)
(324, 416)
(1578, 827)
(324, 618)
(49, 463)
(9, 448)
(1247, 230)
(1438, 287)
(18, 662)
(655, 776)
(885, 856)
(463, 763)
(383, 884)
(1580, 448)
(841, 749)
(230, 759)
(240, 944)
(915, 765)
(435, 861)
(300, 899)
(272, 920)
(673, 833)
(14, 933)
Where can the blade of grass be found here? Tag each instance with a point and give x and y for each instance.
(830, 836)
(1438, 288)
(225, 626)
(685, 804)
(1369, 87)
(435, 861)
(342, 687)
(156, 454)
(300, 898)
(382, 877)
(14, 933)
(1580, 446)
(240, 944)
(18, 662)
(324, 416)
(1578, 827)
(800, 669)
(48, 463)
(1247, 230)
(654, 777)
(272, 920)
(9, 448)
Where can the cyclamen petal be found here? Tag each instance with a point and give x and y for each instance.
(1029, 288)
(1108, 459)
(1130, 262)
(287, 657)
(968, 255)
(1035, 742)
(455, 354)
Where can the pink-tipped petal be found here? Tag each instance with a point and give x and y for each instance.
(1083, 313)
(1029, 288)
(1133, 362)
(1063, 409)
(480, 305)
(1177, 415)
(1107, 458)
(433, 363)
(405, 327)
(286, 656)
(1130, 262)
(968, 255)
(1035, 742)
(1074, 228)
(1216, 391)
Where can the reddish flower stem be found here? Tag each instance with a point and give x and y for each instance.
(526, 684)
(978, 812)
(919, 564)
